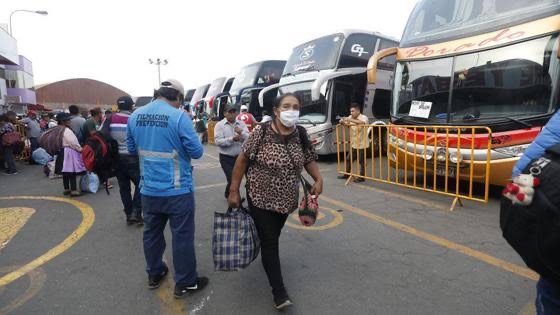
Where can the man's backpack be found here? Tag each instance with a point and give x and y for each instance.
(101, 156)
(51, 140)
(534, 230)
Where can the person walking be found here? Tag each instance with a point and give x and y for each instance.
(6, 126)
(229, 135)
(548, 292)
(358, 140)
(76, 122)
(246, 117)
(129, 167)
(272, 159)
(69, 161)
(33, 129)
(163, 137)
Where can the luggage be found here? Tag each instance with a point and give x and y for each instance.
(51, 140)
(89, 183)
(101, 156)
(533, 228)
(41, 157)
(11, 139)
(235, 243)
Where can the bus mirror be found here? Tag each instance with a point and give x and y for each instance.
(374, 60)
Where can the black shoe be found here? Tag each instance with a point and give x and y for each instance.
(359, 180)
(342, 176)
(134, 219)
(282, 301)
(182, 291)
(155, 281)
(140, 222)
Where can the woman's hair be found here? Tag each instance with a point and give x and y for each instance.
(279, 99)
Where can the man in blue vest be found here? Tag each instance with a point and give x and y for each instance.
(163, 137)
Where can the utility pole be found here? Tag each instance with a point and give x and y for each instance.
(158, 62)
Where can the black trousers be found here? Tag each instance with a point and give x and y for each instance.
(69, 181)
(269, 225)
(227, 162)
(359, 155)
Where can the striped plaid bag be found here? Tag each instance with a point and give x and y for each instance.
(235, 243)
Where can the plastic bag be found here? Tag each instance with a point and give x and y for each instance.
(89, 183)
(41, 157)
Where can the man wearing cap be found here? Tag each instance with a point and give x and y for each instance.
(229, 135)
(246, 117)
(129, 166)
(33, 129)
(163, 137)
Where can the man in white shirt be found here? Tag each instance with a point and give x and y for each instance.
(358, 140)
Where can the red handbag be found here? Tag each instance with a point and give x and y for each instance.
(11, 138)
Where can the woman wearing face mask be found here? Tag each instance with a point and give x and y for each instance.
(272, 158)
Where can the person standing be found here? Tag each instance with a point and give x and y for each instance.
(91, 125)
(548, 291)
(358, 140)
(6, 126)
(76, 122)
(246, 117)
(163, 137)
(229, 135)
(69, 161)
(272, 159)
(129, 167)
(33, 132)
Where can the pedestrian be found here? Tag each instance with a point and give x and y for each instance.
(52, 121)
(77, 122)
(129, 167)
(246, 117)
(202, 127)
(265, 116)
(69, 162)
(163, 137)
(272, 160)
(93, 123)
(358, 140)
(33, 129)
(6, 126)
(548, 292)
(229, 135)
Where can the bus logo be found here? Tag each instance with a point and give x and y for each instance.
(358, 49)
(307, 52)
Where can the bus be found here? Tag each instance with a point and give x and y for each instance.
(215, 93)
(199, 94)
(329, 73)
(251, 79)
(492, 63)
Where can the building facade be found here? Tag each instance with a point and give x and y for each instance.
(8, 57)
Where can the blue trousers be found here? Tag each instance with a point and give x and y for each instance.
(179, 211)
(548, 298)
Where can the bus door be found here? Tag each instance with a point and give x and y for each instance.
(341, 100)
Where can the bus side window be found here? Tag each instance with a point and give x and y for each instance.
(387, 63)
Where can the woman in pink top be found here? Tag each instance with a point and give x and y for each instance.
(69, 161)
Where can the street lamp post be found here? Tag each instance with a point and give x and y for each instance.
(158, 62)
(29, 11)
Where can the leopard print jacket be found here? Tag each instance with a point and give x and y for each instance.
(272, 178)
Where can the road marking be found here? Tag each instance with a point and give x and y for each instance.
(336, 220)
(11, 221)
(491, 260)
(88, 217)
(37, 279)
(211, 156)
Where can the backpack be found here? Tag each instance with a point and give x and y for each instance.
(534, 230)
(51, 140)
(101, 156)
(200, 126)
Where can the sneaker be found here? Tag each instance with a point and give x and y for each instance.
(9, 173)
(182, 291)
(282, 302)
(155, 281)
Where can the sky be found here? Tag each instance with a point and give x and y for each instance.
(111, 41)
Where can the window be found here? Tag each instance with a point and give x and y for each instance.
(358, 48)
(387, 63)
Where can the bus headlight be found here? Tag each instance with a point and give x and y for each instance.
(516, 150)
(441, 155)
(428, 154)
(456, 157)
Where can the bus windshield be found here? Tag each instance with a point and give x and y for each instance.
(245, 78)
(518, 80)
(319, 54)
(442, 20)
(216, 87)
(310, 112)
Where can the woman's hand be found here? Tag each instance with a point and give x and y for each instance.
(317, 188)
(234, 199)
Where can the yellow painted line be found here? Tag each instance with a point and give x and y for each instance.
(336, 220)
(169, 304)
(404, 197)
(11, 221)
(491, 260)
(37, 278)
(88, 217)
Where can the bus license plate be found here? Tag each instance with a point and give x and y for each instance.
(440, 171)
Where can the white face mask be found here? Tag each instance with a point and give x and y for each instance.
(289, 118)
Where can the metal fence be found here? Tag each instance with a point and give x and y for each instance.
(446, 160)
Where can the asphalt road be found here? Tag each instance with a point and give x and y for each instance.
(377, 249)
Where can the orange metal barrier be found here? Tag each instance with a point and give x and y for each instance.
(25, 153)
(446, 160)
(211, 126)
